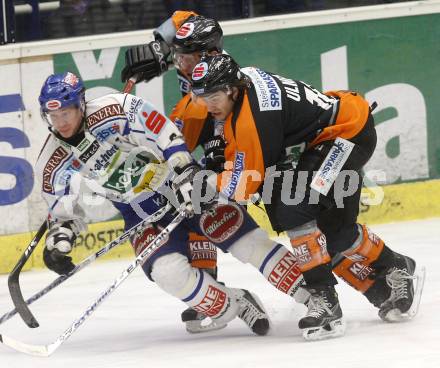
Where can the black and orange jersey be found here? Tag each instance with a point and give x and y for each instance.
(194, 122)
(275, 113)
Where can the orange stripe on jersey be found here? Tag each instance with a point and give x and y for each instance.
(193, 117)
(244, 151)
(180, 16)
(351, 118)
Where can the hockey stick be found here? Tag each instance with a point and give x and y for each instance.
(14, 282)
(21, 306)
(46, 350)
(14, 276)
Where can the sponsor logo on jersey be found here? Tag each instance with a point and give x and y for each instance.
(71, 79)
(221, 222)
(103, 134)
(332, 165)
(202, 249)
(184, 84)
(360, 271)
(54, 161)
(200, 71)
(53, 105)
(144, 239)
(104, 113)
(284, 275)
(213, 302)
(104, 160)
(154, 121)
(135, 104)
(267, 90)
(185, 30)
(90, 151)
(76, 164)
(302, 253)
(83, 144)
(236, 173)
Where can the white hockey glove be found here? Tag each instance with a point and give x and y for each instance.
(183, 186)
(59, 242)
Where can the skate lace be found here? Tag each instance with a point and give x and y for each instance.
(249, 312)
(397, 280)
(318, 305)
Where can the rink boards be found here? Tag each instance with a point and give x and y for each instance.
(407, 201)
(345, 49)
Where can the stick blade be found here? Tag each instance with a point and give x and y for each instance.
(36, 350)
(19, 303)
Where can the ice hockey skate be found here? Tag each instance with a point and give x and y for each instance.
(324, 315)
(196, 322)
(406, 282)
(252, 312)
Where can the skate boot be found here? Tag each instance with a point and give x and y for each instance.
(196, 322)
(251, 311)
(324, 316)
(406, 284)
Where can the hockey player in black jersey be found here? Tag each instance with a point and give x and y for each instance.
(304, 151)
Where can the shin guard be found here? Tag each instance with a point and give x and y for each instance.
(309, 248)
(355, 267)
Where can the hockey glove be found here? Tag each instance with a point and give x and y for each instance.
(183, 186)
(59, 242)
(215, 154)
(146, 61)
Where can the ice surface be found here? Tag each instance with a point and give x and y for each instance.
(139, 325)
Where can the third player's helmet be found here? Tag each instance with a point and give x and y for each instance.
(198, 34)
(214, 73)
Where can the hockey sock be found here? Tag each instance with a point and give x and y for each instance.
(196, 288)
(274, 261)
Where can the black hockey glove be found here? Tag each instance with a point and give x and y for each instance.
(57, 261)
(147, 61)
(59, 242)
(215, 154)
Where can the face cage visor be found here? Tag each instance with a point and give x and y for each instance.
(184, 61)
(199, 97)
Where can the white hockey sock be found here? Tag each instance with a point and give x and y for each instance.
(273, 260)
(173, 274)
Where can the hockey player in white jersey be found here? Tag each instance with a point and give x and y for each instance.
(125, 146)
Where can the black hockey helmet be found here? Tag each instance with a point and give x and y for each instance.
(198, 34)
(214, 73)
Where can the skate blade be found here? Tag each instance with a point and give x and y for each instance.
(394, 315)
(196, 326)
(332, 329)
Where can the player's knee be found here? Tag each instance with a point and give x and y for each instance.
(173, 274)
(253, 247)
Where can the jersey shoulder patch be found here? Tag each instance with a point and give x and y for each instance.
(266, 88)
